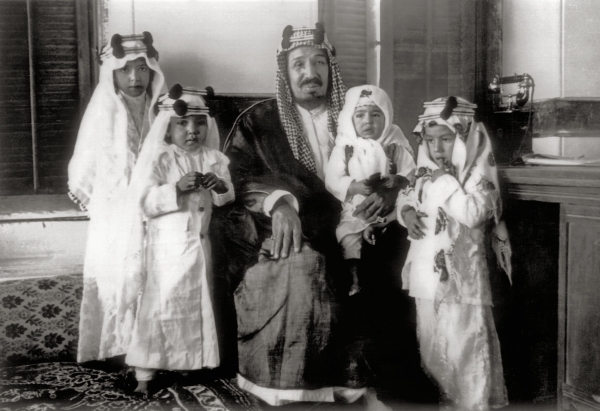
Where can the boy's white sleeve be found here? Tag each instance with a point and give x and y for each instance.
(336, 179)
(82, 167)
(404, 162)
(222, 172)
(82, 173)
(470, 209)
(160, 198)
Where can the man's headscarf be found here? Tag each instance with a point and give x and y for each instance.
(298, 37)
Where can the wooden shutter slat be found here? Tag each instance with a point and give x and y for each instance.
(353, 48)
(345, 21)
(57, 89)
(15, 116)
(357, 60)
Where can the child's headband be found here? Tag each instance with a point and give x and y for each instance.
(130, 44)
(439, 111)
(445, 107)
(186, 101)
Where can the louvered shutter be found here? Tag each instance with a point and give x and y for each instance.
(346, 27)
(16, 160)
(427, 45)
(442, 48)
(58, 66)
(57, 91)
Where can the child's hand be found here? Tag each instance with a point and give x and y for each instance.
(389, 181)
(437, 174)
(359, 187)
(212, 182)
(414, 225)
(446, 167)
(369, 235)
(394, 180)
(188, 181)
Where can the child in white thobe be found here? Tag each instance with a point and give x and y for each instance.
(179, 177)
(112, 132)
(451, 202)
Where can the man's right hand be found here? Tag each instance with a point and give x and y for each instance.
(286, 228)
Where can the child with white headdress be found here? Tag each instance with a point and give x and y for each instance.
(112, 132)
(451, 205)
(370, 153)
(178, 178)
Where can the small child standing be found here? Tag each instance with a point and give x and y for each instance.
(112, 131)
(178, 178)
(446, 209)
(370, 151)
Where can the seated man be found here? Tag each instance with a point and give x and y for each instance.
(286, 301)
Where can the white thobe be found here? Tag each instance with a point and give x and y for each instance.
(314, 126)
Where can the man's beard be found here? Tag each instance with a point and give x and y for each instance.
(312, 99)
(315, 95)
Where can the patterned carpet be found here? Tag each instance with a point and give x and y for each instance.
(69, 386)
(39, 319)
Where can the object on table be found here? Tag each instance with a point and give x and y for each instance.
(550, 160)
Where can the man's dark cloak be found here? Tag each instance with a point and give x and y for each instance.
(286, 308)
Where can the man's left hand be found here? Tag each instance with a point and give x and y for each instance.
(376, 205)
(286, 229)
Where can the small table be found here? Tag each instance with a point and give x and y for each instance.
(577, 191)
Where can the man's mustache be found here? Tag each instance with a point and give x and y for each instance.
(314, 80)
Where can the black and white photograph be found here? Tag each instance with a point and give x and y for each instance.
(290, 205)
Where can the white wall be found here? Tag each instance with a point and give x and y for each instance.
(555, 41)
(531, 43)
(581, 48)
(227, 44)
(41, 235)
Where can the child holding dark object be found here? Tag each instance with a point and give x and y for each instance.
(370, 154)
(449, 208)
(179, 177)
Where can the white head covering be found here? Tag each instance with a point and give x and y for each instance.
(375, 157)
(472, 156)
(472, 141)
(179, 102)
(104, 125)
(371, 95)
